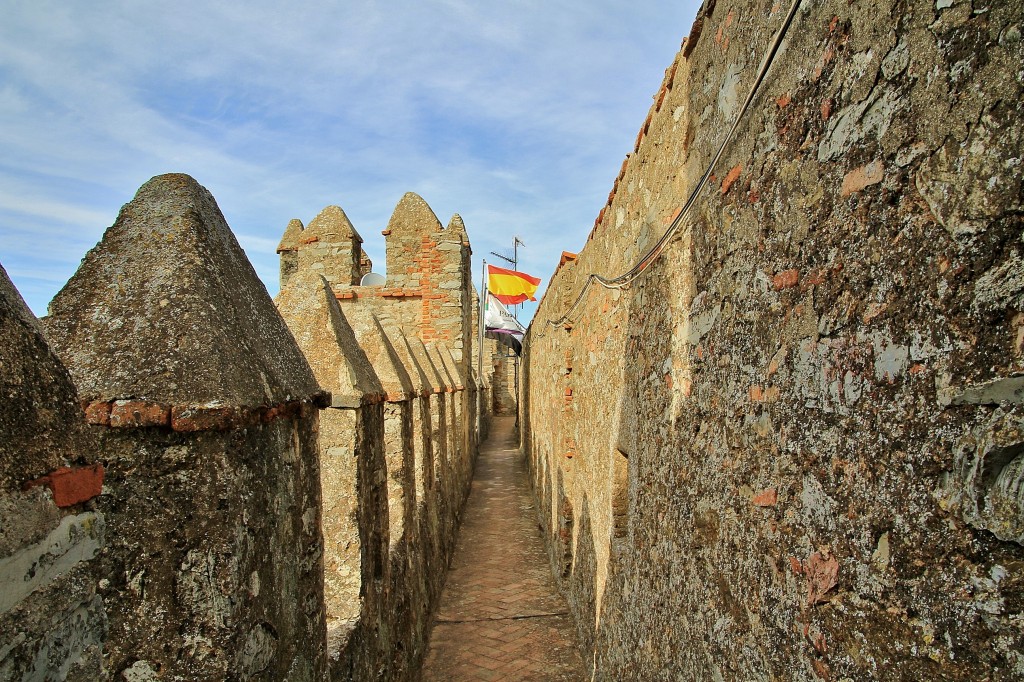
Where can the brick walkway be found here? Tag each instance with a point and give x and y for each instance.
(500, 616)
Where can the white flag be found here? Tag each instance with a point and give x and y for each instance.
(502, 326)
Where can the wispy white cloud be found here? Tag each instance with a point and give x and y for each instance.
(515, 115)
(55, 211)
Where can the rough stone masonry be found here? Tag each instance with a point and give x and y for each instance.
(206, 415)
(194, 486)
(397, 444)
(52, 618)
(793, 448)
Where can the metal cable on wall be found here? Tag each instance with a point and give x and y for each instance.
(625, 279)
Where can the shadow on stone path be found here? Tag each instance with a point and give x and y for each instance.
(500, 616)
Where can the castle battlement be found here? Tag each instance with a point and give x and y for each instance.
(220, 489)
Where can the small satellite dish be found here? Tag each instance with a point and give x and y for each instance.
(372, 279)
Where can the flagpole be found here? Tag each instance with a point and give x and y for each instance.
(480, 347)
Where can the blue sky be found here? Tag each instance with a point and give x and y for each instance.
(515, 115)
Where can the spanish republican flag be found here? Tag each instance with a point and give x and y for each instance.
(511, 287)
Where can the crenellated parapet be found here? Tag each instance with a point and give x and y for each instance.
(396, 461)
(196, 484)
(205, 415)
(428, 288)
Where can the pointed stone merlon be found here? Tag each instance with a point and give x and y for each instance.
(422, 386)
(48, 540)
(331, 247)
(288, 250)
(398, 432)
(206, 412)
(456, 232)
(454, 409)
(424, 256)
(435, 375)
(409, 242)
(455, 373)
(414, 566)
(42, 426)
(365, 264)
(437, 378)
(381, 353)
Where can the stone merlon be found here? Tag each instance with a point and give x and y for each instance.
(421, 385)
(42, 426)
(413, 215)
(330, 226)
(292, 235)
(456, 230)
(167, 308)
(325, 336)
(383, 357)
(428, 364)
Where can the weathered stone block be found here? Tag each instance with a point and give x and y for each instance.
(74, 540)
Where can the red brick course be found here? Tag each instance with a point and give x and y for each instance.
(135, 413)
(128, 414)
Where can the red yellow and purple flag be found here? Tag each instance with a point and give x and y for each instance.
(511, 287)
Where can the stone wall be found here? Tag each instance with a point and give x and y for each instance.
(428, 291)
(136, 531)
(396, 359)
(52, 619)
(195, 487)
(503, 372)
(792, 448)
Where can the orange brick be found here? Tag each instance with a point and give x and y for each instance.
(731, 177)
(786, 279)
(197, 418)
(71, 486)
(861, 178)
(98, 413)
(138, 413)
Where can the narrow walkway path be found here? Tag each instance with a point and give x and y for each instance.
(500, 616)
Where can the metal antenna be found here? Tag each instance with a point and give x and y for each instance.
(514, 260)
